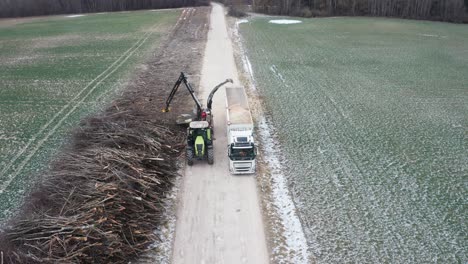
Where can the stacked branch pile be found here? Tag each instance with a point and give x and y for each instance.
(102, 200)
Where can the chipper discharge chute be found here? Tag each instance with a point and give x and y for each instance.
(202, 113)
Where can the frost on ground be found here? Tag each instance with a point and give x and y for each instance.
(286, 237)
(275, 71)
(282, 201)
(161, 251)
(376, 159)
(241, 21)
(284, 21)
(247, 66)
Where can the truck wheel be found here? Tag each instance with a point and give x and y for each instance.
(210, 156)
(189, 157)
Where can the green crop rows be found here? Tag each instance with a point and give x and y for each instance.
(54, 71)
(372, 115)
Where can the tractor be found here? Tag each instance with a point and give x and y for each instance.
(199, 142)
(200, 129)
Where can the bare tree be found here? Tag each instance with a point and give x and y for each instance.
(445, 10)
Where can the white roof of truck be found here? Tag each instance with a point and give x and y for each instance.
(238, 106)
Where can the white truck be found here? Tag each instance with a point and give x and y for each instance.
(241, 146)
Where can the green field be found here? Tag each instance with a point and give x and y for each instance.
(56, 70)
(372, 115)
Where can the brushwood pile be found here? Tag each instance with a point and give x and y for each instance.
(103, 197)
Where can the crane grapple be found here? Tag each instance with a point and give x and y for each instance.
(202, 114)
(200, 129)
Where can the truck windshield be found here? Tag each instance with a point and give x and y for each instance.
(242, 154)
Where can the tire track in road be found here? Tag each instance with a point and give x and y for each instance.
(96, 81)
(219, 218)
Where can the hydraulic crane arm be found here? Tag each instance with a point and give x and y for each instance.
(210, 97)
(182, 78)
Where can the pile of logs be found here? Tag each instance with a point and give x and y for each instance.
(102, 199)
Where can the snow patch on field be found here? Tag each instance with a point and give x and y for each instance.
(247, 65)
(286, 209)
(241, 21)
(72, 16)
(245, 59)
(275, 70)
(432, 36)
(284, 21)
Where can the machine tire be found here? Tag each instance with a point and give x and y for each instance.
(189, 157)
(210, 156)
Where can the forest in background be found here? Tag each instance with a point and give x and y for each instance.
(23, 8)
(443, 10)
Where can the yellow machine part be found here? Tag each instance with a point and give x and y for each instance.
(199, 146)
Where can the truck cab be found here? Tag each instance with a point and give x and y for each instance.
(242, 153)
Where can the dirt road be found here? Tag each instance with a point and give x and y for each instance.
(219, 218)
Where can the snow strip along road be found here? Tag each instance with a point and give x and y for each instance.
(219, 218)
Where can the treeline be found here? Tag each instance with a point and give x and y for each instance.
(22, 8)
(444, 10)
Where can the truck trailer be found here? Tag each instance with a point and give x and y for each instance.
(241, 146)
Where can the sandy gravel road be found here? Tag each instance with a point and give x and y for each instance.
(219, 218)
